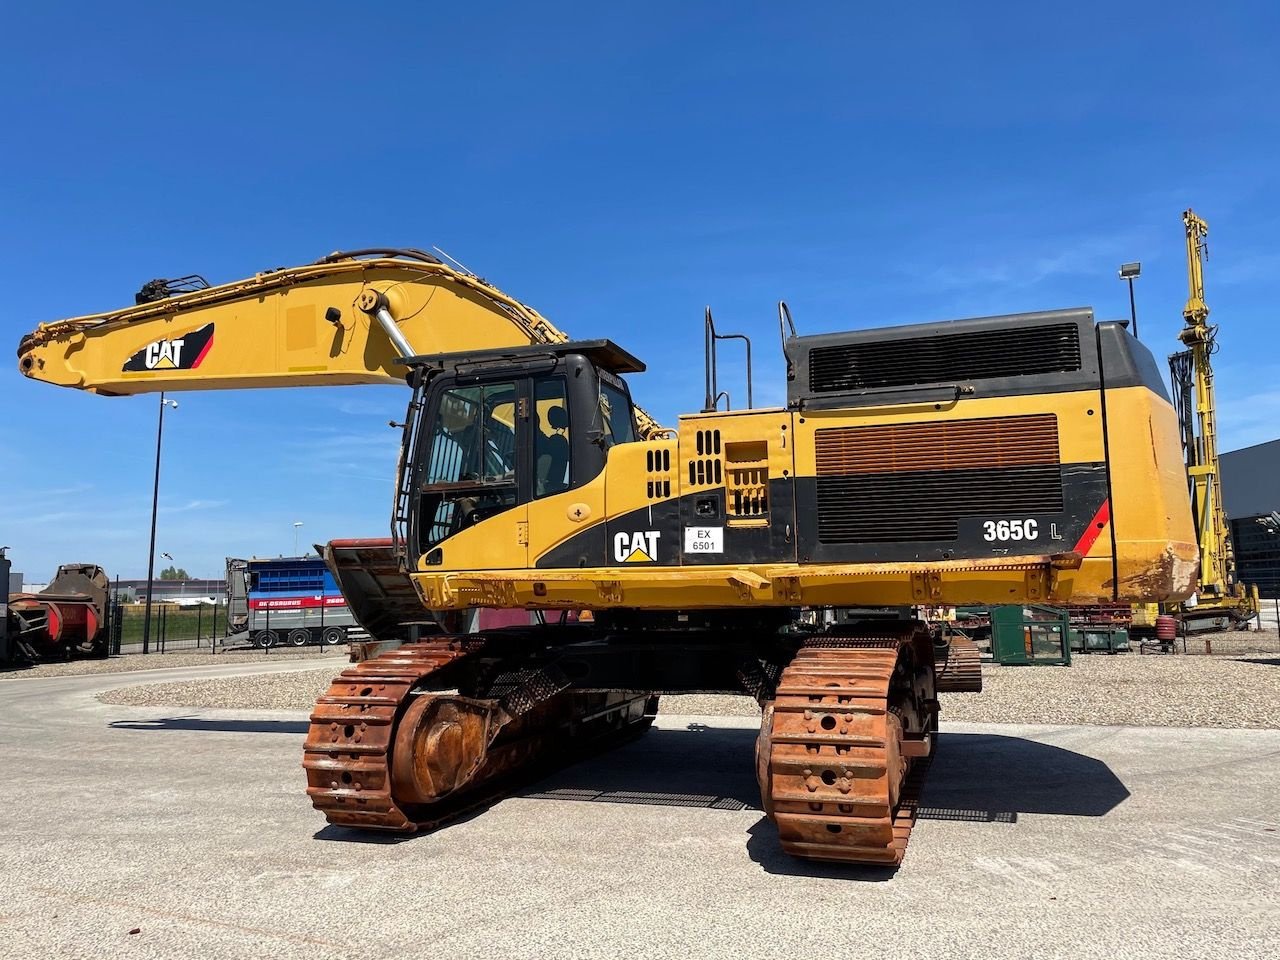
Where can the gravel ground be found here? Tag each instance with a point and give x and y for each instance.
(1128, 690)
(160, 661)
(1120, 690)
(1233, 643)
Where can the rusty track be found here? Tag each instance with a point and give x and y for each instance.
(383, 754)
(347, 755)
(845, 745)
(961, 669)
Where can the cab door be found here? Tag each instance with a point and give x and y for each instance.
(473, 477)
(567, 496)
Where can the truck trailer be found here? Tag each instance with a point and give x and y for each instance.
(289, 600)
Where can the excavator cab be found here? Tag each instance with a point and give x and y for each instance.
(488, 433)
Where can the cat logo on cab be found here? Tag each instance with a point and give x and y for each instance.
(638, 547)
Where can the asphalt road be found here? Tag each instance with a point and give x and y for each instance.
(1044, 842)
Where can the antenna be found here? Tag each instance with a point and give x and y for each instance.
(457, 263)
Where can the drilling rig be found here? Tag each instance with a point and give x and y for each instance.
(1221, 600)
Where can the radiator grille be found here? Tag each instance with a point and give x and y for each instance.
(938, 445)
(915, 481)
(1015, 351)
(927, 504)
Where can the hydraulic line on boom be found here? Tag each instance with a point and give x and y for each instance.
(311, 325)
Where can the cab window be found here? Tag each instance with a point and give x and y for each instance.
(470, 472)
(551, 447)
(615, 416)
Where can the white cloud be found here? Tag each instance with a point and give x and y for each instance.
(194, 505)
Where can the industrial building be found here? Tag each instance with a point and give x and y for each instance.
(1250, 493)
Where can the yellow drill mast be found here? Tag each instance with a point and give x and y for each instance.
(1192, 373)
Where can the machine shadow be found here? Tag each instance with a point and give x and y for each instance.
(212, 726)
(699, 766)
(977, 777)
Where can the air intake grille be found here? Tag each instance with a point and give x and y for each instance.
(938, 445)
(927, 504)
(1016, 351)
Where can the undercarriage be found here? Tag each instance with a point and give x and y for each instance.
(420, 735)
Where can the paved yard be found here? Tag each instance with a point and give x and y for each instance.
(190, 825)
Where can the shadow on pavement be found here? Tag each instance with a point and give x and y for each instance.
(975, 776)
(333, 832)
(991, 777)
(213, 726)
(697, 767)
(980, 777)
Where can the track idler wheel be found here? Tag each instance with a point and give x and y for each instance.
(441, 742)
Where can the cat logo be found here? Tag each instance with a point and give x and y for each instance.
(186, 352)
(638, 547)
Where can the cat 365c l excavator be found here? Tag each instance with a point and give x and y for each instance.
(1014, 459)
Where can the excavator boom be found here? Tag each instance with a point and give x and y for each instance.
(345, 319)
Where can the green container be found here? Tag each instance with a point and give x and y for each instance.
(1030, 635)
(1100, 639)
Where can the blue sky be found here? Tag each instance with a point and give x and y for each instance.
(618, 166)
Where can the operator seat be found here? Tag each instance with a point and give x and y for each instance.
(553, 454)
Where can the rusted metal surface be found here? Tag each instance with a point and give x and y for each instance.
(347, 754)
(380, 594)
(362, 650)
(66, 618)
(1172, 577)
(958, 666)
(382, 753)
(844, 744)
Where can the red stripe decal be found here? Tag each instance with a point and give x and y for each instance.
(295, 603)
(200, 358)
(1094, 529)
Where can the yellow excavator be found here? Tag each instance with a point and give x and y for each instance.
(1031, 458)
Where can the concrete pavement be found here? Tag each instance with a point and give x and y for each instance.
(192, 827)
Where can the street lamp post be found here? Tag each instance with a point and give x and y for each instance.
(1131, 272)
(296, 525)
(155, 502)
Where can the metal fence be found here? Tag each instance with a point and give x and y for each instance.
(174, 629)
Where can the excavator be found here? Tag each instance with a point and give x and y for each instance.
(1030, 458)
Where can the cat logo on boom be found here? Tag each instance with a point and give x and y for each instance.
(638, 547)
(186, 352)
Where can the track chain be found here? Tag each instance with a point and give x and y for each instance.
(347, 755)
(960, 671)
(838, 776)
